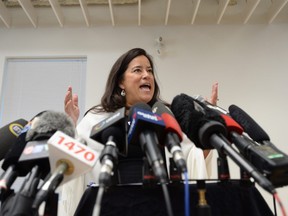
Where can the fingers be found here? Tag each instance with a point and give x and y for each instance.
(68, 95)
(75, 99)
(67, 106)
(71, 105)
(70, 102)
(215, 90)
(214, 94)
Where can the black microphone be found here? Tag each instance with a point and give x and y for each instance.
(109, 156)
(191, 116)
(173, 135)
(9, 134)
(202, 112)
(214, 112)
(214, 133)
(111, 132)
(7, 178)
(117, 119)
(17, 148)
(148, 129)
(10, 161)
(249, 125)
(259, 150)
(51, 182)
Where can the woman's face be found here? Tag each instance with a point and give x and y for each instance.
(138, 81)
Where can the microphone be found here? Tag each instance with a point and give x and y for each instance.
(173, 134)
(250, 126)
(9, 134)
(31, 148)
(191, 116)
(148, 129)
(221, 115)
(36, 150)
(117, 120)
(233, 128)
(110, 137)
(112, 133)
(212, 132)
(262, 153)
(45, 125)
(202, 100)
(16, 150)
(35, 154)
(68, 159)
(7, 178)
(212, 112)
(10, 161)
(269, 160)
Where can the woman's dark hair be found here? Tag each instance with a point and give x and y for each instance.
(112, 99)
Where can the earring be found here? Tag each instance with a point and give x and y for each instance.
(123, 93)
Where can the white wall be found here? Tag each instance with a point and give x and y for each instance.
(248, 61)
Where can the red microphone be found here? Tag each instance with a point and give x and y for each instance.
(233, 128)
(173, 135)
(171, 125)
(231, 124)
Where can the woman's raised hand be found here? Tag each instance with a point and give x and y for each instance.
(71, 105)
(214, 94)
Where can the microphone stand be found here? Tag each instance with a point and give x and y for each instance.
(21, 203)
(175, 174)
(108, 158)
(148, 178)
(223, 167)
(203, 209)
(51, 206)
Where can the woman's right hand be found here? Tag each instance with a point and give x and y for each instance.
(71, 105)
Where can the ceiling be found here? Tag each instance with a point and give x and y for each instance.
(93, 13)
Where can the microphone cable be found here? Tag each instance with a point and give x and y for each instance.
(277, 198)
(186, 194)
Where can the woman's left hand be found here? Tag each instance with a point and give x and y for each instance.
(213, 100)
(214, 94)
